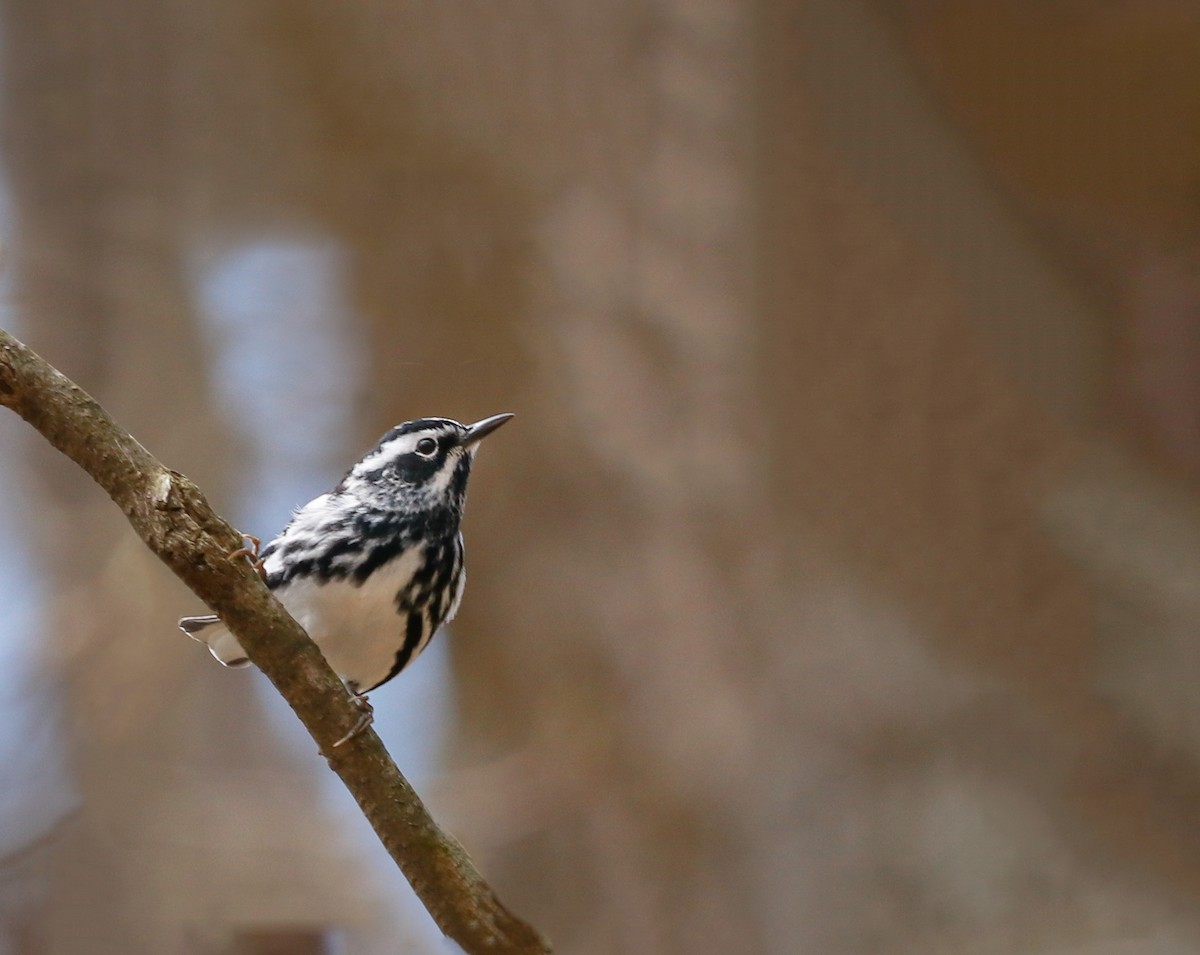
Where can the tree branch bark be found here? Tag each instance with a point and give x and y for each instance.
(175, 521)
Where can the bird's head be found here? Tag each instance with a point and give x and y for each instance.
(423, 464)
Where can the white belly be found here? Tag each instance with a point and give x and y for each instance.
(358, 629)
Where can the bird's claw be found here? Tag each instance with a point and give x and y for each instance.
(251, 553)
(366, 717)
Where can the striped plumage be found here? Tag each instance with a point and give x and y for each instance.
(374, 567)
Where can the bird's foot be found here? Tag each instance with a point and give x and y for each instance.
(250, 553)
(366, 716)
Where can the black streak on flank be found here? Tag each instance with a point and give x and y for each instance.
(381, 553)
(327, 561)
(413, 631)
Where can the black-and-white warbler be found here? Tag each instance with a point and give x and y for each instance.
(372, 568)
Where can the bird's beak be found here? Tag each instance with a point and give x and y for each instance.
(481, 429)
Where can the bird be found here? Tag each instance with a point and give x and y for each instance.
(373, 568)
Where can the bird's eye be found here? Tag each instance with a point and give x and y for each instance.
(426, 447)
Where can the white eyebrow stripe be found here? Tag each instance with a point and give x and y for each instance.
(401, 445)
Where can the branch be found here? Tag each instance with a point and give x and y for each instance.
(175, 521)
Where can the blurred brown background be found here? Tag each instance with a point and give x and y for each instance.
(835, 590)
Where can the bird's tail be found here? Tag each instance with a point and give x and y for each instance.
(222, 644)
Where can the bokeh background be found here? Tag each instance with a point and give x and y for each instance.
(836, 588)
